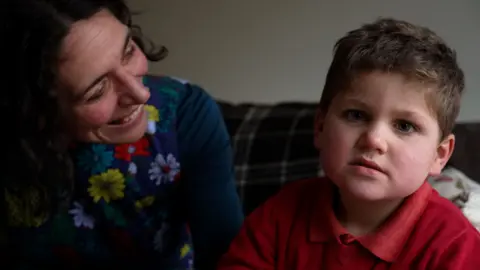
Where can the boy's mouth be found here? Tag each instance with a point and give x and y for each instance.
(367, 164)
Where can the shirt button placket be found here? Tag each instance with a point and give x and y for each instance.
(346, 250)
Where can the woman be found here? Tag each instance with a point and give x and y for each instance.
(96, 147)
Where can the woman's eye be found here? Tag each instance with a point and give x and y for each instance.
(98, 92)
(405, 126)
(129, 52)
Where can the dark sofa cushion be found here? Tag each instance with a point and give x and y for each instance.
(466, 156)
(273, 144)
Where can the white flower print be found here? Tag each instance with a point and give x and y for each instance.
(151, 127)
(158, 238)
(80, 218)
(164, 171)
(132, 168)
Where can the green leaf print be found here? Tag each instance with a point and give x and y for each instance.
(115, 215)
(130, 182)
(63, 230)
(169, 91)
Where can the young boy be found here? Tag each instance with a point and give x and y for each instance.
(384, 123)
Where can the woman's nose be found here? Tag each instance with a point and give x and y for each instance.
(131, 89)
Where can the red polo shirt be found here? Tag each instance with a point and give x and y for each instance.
(297, 229)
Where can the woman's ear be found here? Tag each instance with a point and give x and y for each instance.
(318, 129)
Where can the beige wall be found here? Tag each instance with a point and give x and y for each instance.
(279, 50)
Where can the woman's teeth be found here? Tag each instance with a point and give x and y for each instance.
(129, 118)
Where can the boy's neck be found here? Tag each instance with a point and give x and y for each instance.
(360, 217)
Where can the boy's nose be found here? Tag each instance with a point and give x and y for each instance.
(373, 139)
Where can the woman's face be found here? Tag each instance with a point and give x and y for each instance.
(99, 86)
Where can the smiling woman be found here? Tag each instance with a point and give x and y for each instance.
(103, 68)
(106, 164)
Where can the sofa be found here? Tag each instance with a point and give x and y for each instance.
(273, 145)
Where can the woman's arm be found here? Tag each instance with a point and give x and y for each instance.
(214, 210)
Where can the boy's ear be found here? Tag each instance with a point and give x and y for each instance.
(444, 152)
(318, 129)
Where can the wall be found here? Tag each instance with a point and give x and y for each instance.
(279, 50)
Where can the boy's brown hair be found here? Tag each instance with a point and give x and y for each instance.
(390, 45)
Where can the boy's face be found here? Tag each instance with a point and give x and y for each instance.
(380, 140)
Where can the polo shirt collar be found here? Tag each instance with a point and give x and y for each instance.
(387, 241)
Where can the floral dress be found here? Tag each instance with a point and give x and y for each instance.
(127, 204)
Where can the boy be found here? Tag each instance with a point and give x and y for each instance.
(384, 124)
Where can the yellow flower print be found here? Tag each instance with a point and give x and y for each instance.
(108, 185)
(145, 202)
(184, 250)
(152, 112)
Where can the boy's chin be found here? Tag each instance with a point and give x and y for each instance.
(368, 192)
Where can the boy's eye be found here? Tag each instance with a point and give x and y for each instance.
(405, 126)
(354, 115)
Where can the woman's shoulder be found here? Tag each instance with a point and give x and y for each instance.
(158, 82)
(199, 121)
(187, 98)
(184, 89)
(164, 90)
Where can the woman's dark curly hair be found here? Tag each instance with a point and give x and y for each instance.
(36, 140)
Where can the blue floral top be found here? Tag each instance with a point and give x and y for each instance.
(129, 203)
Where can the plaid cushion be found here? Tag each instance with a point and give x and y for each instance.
(273, 144)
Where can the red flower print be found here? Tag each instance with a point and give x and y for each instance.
(127, 150)
(121, 238)
(66, 253)
(123, 243)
